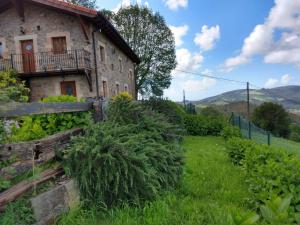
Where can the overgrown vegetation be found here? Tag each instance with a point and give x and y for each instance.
(270, 173)
(174, 112)
(212, 190)
(39, 126)
(203, 125)
(130, 158)
(12, 89)
(295, 132)
(17, 213)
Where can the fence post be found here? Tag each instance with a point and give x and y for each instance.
(240, 126)
(269, 138)
(76, 58)
(98, 114)
(12, 61)
(249, 130)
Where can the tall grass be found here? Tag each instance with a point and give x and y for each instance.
(211, 190)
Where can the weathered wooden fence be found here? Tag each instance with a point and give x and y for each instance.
(12, 110)
(40, 151)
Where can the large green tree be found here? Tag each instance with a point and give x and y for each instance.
(86, 3)
(272, 117)
(149, 36)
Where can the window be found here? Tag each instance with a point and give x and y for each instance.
(68, 88)
(102, 54)
(1, 50)
(59, 45)
(104, 88)
(120, 65)
(117, 89)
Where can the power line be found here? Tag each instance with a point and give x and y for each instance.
(209, 76)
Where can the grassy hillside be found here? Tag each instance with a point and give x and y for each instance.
(211, 190)
(288, 96)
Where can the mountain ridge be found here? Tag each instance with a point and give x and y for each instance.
(288, 96)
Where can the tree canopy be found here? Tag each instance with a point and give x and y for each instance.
(86, 3)
(149, 36)
(272, 117)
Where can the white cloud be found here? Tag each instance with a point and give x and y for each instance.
(283, 19)
(272, 82)
(179, 32)
(175, 4)
(187, 60)
(194, 85)
(285, 79)
(207, 38)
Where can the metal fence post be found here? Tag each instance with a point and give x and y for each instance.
(76, 58)
(269, 138)
(12, 61)
(240, 125)
(249, 130)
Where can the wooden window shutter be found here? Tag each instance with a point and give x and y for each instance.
(59, 45)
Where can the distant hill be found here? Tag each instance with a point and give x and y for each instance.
(288, 96)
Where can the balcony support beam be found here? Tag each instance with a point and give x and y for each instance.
(84, 27)
(89, 79)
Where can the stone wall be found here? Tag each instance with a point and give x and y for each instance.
(40, 25)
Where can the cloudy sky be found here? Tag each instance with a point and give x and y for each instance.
(247, 40)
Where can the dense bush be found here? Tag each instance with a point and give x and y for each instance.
(12, 88)
(231, 132)
(173, 111)
(270, 172)
(39, 126)
(295, 132)
(211, 112)
(237, 147)
(203, 125)
(130, 158)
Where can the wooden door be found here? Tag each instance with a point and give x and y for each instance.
(28, 56)
(68, 88)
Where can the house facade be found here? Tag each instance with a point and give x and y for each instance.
(60, 48)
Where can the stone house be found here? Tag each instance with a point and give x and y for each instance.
(61, 48)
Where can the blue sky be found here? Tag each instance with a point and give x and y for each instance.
(248, 40)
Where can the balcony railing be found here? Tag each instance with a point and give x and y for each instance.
(43, 62)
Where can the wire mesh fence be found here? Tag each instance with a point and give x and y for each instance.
(250, 131)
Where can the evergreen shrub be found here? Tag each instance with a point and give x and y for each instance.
(132, 157)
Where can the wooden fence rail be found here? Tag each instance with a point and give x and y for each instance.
(21, 109)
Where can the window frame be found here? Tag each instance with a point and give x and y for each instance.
(102, 57)
(63, 89)
(66, 44)
(120, 64)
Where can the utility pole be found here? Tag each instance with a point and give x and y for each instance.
(248, 101)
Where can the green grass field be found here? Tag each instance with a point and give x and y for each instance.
(211, 190)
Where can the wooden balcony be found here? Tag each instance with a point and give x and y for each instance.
(43, 64)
